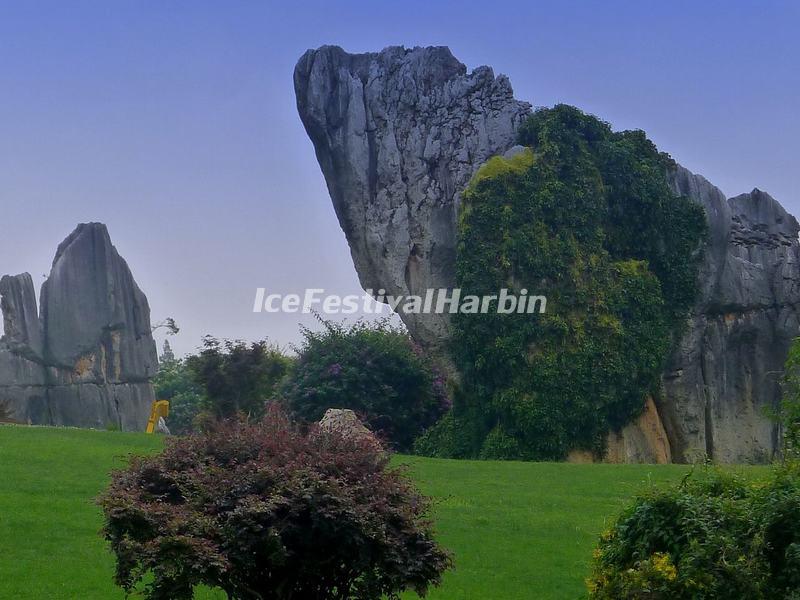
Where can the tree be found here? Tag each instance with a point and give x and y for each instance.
(265, 510)
(167, 354)
(168, 324)
(237, 377)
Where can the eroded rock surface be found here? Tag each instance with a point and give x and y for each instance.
(726, 370)
(345, 423)
(398, 133)
(86, 360)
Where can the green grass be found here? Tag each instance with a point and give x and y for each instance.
(518, 530)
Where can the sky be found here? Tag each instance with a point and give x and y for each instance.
(174, 122)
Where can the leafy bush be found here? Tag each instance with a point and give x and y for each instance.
(175, 382)
(236, 377)
(585, 217)
(266, 511)
(374, 370)
(446, 439)
(789, 411)
(713, 537)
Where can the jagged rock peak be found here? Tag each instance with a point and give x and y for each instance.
(23, 332)
(398, 134)
(91, 294)
(86, 360)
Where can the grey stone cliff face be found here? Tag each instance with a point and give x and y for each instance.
(398, 133)
(87, 359)
(726, 369)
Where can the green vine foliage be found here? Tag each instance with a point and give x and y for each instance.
(585, 217)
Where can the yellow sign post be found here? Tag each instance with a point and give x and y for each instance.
(160, 409)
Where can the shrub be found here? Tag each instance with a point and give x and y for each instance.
(446, 439)
(498, 445)
(586, 218)
(263, 510)
(236, 377)
(374, 370)
(712, 537)
(789, 411)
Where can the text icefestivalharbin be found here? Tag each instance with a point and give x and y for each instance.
(435, 300)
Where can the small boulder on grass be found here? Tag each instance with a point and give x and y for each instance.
(344, 422)
(269, 510)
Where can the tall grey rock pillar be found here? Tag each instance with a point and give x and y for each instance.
(398, 134)
(88, 358)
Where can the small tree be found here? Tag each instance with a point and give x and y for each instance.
(237, 377)
(375, 370)
(267, 511)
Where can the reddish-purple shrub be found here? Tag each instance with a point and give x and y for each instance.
(268, 511)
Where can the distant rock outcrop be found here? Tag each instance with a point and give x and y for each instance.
(399, 133)
(86, 358)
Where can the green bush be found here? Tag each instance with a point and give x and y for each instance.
(788, 415)
(498, 445)
(584, 217)
(446, 439)
(374, 370)
(715, 536)
(237, 378)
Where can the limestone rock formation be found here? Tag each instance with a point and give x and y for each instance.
(398, 133)
(726, 370)
(20, 315)
(86, 360)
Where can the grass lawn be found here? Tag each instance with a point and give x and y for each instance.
(519, 531)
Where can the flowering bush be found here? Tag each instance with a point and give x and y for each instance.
(376, 371)
(716, 537)
(266, 511)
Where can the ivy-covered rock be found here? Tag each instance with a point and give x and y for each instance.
(585, 217)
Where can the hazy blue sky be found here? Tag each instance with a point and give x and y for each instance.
(175, 124)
